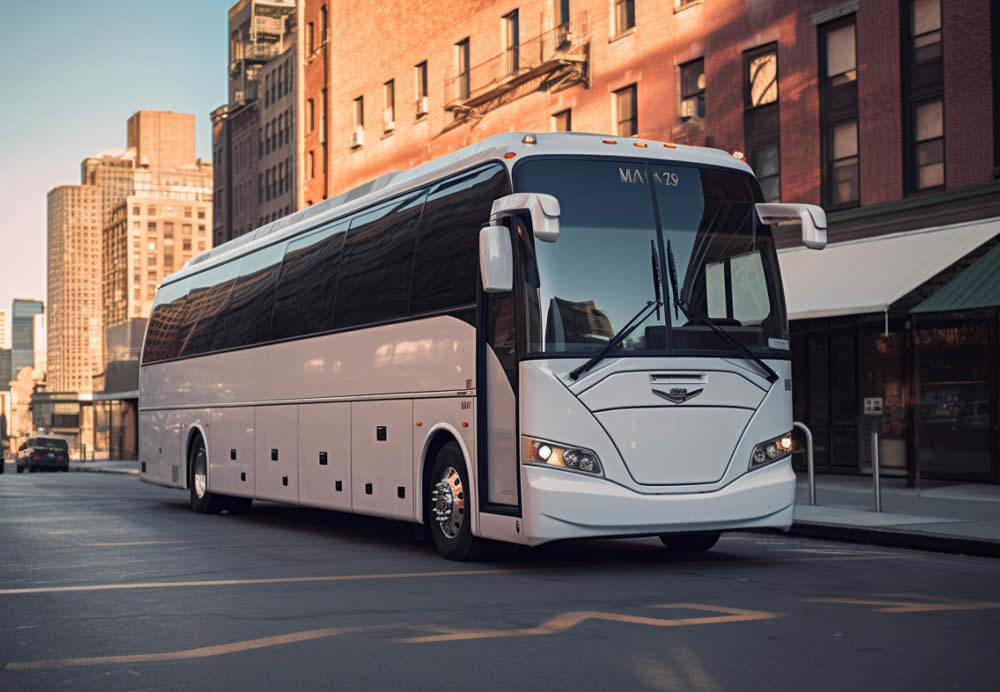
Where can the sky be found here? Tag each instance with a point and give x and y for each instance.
(74, 73)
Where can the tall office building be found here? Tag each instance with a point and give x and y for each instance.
(22, 333)
(4, 330)
(41, 345)
(253, 135)
(74, 287)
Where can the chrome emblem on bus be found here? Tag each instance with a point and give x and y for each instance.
(678, 395)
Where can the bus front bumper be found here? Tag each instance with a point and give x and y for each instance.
(560, 505)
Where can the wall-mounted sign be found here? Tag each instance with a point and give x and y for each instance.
(873, 406)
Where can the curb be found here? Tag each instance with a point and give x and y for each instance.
(958, 545)
(95, 469)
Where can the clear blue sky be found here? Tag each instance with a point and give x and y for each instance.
(73, 74)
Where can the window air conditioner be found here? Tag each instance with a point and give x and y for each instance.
(688, 108)
(387, 120)
(422, 105)
(357, 137)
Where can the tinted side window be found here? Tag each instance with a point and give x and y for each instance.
(163, 332)
(378, 262)
(447, 259)
(206, 299)
(307, 287)
(247, 317)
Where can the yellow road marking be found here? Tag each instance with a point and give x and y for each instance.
(128, 543)
(561, 623)
(382, 576)
(885, 606)
(243, 582)
(203, 652)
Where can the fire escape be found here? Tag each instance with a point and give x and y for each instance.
(550, 61)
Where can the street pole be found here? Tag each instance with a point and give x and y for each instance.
(875, 473)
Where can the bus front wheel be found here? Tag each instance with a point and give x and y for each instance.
(202, 501)
(449, 506)
(689, 542)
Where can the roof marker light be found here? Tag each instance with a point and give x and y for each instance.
(509, 155)
(738, 155)
(609, 141)
(669, 146)
(530, 139)
(639, 144)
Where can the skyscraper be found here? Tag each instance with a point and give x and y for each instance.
(22, 331)
(74, 287)
(4, 330)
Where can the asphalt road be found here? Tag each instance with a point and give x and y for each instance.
(107, 584)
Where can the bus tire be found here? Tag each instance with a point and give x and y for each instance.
(202, 501)
(238, 505)
(448, 506)
(689, 542)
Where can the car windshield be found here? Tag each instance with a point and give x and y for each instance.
(609, 260)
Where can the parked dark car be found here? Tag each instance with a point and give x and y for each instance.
(42, 453)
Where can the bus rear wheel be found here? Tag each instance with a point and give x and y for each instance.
(202, 501)
(689, 542)
(448, 506)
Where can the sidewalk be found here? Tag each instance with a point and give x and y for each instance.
(955, 518)
(111, 466)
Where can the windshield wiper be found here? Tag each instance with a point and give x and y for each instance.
(679, 302)
(618, 338)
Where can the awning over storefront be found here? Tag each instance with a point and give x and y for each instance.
(868, 275)
(976, 287)
(116, 396)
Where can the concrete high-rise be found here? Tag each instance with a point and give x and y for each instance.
(74, 281)
(253, 135)
(4, 330)
(22, 333)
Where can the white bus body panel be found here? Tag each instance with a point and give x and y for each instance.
(325, 428)
(276, 453)
(229, 429)
(558, 504)
(381, 470)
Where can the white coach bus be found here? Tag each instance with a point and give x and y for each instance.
(535, 338)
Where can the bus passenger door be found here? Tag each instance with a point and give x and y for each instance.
(497, 402)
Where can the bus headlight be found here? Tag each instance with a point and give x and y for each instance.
(543, 453)
(770, 451)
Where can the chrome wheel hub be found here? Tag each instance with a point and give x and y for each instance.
(448, 503)
(200, 484)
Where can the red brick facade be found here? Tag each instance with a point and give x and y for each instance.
(372, 43)
(315, 52)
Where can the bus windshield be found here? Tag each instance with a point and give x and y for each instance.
(609, 261)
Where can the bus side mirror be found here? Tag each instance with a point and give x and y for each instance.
(496, 259)
(812, 218)
(543, 209)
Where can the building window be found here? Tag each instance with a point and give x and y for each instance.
(928, 143)
(562, 121)
(389, 98)
(624, 15)
(511, 41)
(843, 166)
(359, 112)
(310, 38)
(563, 12)
(839, 114)
(693, 89)
(322, 25)
(626, 112)
(420, 87)
(760, 118)
(136, 211)
(322, 116)
(923, 96)
(310, 115)
(462, 57)
(682, 4)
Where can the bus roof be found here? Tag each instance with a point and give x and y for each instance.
(489, 149)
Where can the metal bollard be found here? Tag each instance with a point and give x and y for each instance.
(876, 481)
(809, 460)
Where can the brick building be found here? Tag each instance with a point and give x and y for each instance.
(883, 111)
